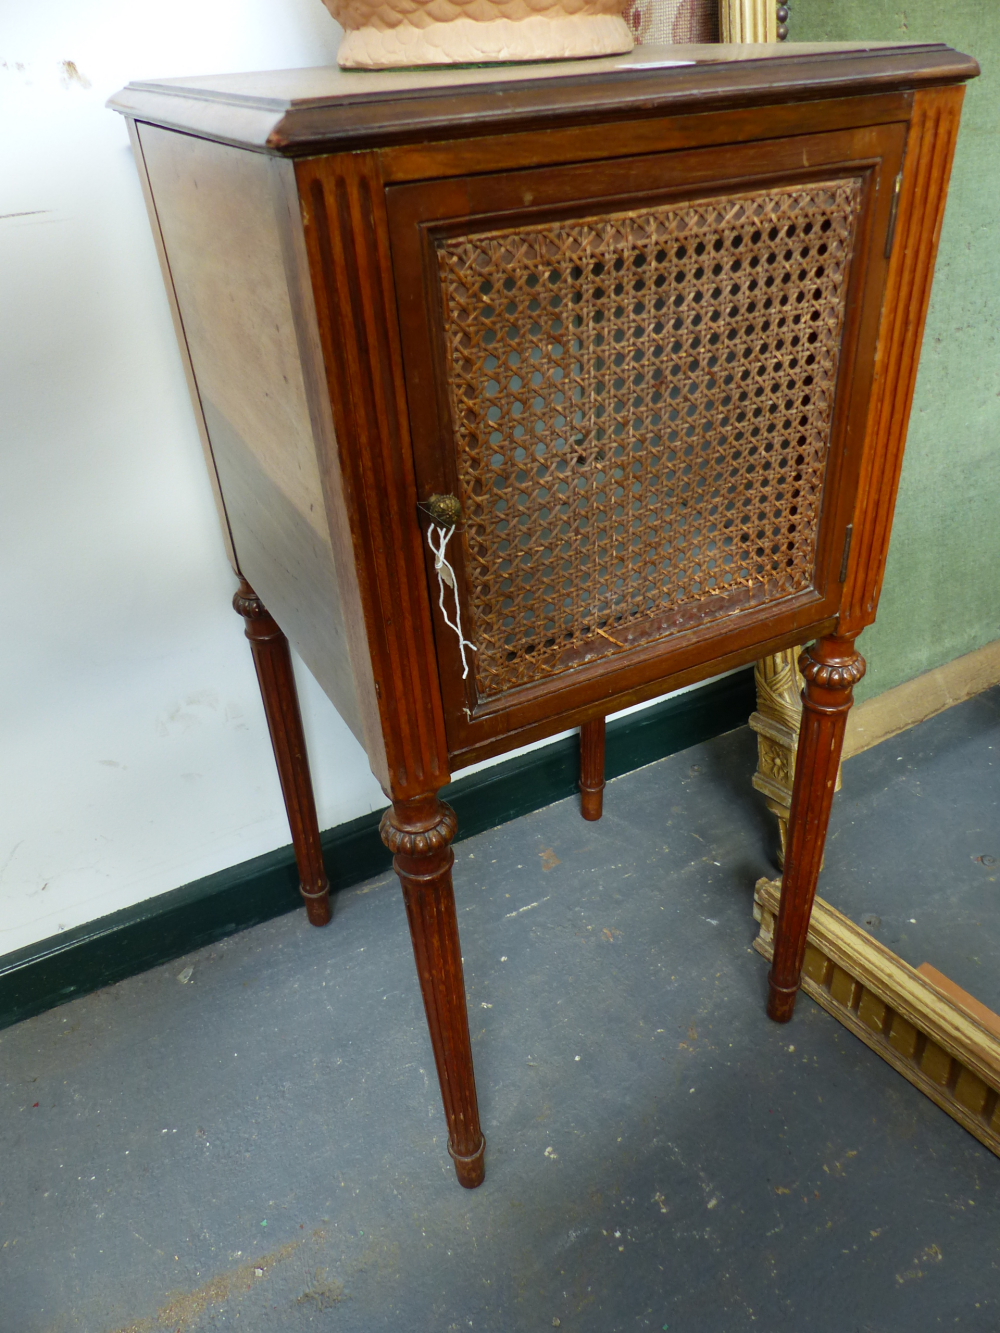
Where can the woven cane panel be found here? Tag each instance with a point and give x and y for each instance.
(642, 405)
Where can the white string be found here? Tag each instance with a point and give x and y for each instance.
(446, 574)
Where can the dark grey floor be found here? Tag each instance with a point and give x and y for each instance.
(259, 1146)
(932, 892)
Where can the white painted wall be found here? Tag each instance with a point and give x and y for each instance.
(133, 751)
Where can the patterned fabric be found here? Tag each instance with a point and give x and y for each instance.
(656, 21)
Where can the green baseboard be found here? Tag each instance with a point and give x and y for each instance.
(81, 960)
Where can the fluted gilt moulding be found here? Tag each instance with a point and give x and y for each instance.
(915, 1019)
(737, 21)
(753, 21)
(777, 722)
(386, 34)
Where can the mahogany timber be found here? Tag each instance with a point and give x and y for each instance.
(420, 214)
(347, 242)
(419, 833)
(273, 663)
(831, 668)
(930, 150)
(306, 112)
(214, 206)
(461, 157)
(185, 351)
(592, 738)
(299, 214)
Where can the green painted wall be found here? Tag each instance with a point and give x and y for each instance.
(942, 587)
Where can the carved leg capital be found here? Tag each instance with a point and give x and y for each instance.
(419, 833)
(418, 828)
(259, 622)
(831, 668)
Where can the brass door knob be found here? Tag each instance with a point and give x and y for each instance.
(445, 510)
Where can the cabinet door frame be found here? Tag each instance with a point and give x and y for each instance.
(422, 212)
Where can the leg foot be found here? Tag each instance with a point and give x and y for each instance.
(284, 722)
(418, 832)
(831, 668)
(471, 1171)
(592, 736)
(781, 1003)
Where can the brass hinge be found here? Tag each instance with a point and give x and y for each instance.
(848, 536)
(890, 235)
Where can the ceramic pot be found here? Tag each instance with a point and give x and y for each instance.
(386, 34)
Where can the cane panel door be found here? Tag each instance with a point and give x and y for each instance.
(644, 381)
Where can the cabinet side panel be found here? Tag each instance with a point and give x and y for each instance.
(227, 536)
(216, 214)
(930, 150)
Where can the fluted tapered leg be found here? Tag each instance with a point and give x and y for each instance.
(831, 668)
(281, 707)
(592, 768)
(419, 834)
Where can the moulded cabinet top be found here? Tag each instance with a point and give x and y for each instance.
(308, 111)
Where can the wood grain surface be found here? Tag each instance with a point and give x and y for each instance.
(831, 668)
(592, 738)
(930, 151)
(652, 657)
(326, 347)
(346, 237)
(307, 112)
(419, 833)
(273, 664)
(220, 234)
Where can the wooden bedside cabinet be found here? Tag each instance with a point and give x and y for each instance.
(532, 393)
